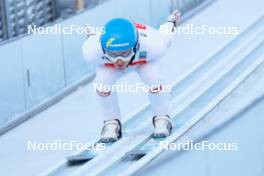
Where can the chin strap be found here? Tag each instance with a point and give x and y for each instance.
(135, 49)
(131, 60)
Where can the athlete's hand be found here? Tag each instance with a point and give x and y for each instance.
(88, 31)
(175, 17)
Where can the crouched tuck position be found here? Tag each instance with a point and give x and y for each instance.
(123, 47)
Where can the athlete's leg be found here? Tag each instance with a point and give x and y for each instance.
(159, 98)
(105, 78)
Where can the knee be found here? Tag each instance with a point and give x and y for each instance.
(156, 89)
(103, 93)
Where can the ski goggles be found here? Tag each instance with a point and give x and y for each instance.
(125, 56)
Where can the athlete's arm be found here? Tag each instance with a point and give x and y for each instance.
(172, 21)
(91, 49)
(168, 28)
(152, 43)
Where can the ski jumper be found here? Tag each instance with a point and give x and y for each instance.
(152, 47)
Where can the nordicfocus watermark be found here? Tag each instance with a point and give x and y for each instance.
(185, 29)
(58, 145)
(203, 29)
(124, 87)
(65, 30)
(199, 146)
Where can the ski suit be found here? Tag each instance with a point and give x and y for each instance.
(152, 47)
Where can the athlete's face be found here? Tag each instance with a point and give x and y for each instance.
(120, 64)
(119, 53)
(120, 58)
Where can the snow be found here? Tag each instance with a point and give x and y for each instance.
(245, 130)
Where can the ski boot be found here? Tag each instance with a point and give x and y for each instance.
(162, 126)
(111, 131)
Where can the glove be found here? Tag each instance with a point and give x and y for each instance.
(174, 17)
(88, 31)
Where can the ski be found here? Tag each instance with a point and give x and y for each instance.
(88, 154)
(145, 148)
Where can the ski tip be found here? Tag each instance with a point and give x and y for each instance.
(78, 159)
(76, 162)
(134, 155)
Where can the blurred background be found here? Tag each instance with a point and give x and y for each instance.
(16, 15)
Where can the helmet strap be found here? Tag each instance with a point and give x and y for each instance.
(135, 49)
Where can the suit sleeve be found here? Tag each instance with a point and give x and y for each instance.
(91, 50)
(153, 44)
(166, 31)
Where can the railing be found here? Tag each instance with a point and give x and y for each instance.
(184, 5)
(2, 24)
(17, 15)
